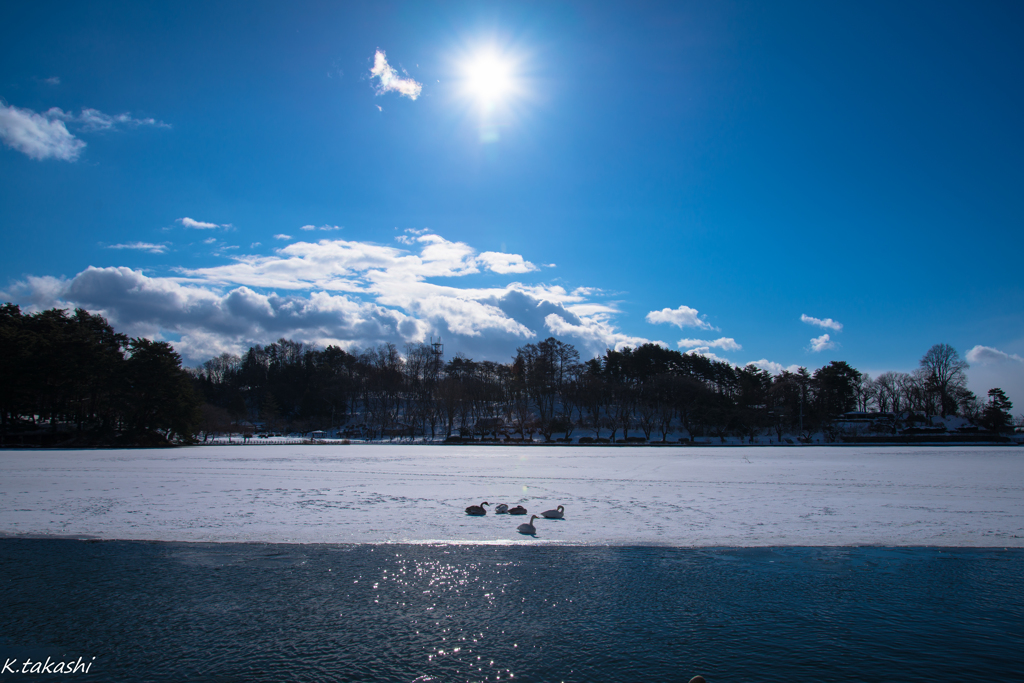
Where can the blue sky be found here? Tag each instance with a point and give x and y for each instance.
(743, 178)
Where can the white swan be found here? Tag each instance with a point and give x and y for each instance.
(529, 529)
(501, 509)
(554, 514)
(517, 510)
(477, 510)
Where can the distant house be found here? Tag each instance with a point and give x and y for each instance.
(318, 434)
(399, 429)
(487, 425)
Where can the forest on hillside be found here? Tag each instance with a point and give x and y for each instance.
(643, 393)
(73, 377)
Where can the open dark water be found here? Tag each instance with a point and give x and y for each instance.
(264, 612)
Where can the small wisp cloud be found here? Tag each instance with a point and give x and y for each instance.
(141, 246)
(94, 120)
(827, 323)
(388, 79)
(308, 228)
(198, 225)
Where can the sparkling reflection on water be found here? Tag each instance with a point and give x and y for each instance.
(259, 612)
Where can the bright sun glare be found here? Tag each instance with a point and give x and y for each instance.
(489, 78)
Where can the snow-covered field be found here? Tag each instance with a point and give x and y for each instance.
(753, 496)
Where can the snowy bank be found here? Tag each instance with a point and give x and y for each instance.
(970, 496)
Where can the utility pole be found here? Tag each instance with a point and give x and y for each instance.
(437, 351)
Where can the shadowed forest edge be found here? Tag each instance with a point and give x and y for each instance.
(70, 380)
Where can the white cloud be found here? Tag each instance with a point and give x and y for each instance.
(254, 245)
(990, 368)
(142, 246)
(595, 334)
(505, 263)
(210, 240)
(773, 367)
(52, 80)
(821, 343)
(45, 136)
(39, 136)
(198, 225)
(684, 316)
(390, 81)
(724, 343)
(827, 323)
(136, 303)
(387, 294)
(986, 355)
(282, 237)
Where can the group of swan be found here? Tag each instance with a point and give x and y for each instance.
(502, 508)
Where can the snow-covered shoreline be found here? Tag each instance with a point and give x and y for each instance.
(968, 496)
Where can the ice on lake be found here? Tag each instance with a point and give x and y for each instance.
(378, 493)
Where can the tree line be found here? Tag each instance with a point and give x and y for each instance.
(646, 392)
(70, 379)
(72, 376)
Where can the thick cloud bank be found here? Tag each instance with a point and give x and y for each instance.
(348, 293)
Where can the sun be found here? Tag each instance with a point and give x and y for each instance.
(489, 78)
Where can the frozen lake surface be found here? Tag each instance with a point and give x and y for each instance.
(692, 497)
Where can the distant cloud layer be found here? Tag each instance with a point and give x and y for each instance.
(141, 246)
(773, 367)
(342, 292)
(827, 323)
(724, 343)
(94, 120)
(322, 227)
(388, 79)
(986, 355)
(46, 136)
(684, 316)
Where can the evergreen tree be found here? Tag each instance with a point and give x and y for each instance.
(996, 417)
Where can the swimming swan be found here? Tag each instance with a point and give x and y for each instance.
(501, 509)
(529, 529)
(554, 514)
(477, 510)
(517, 510)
